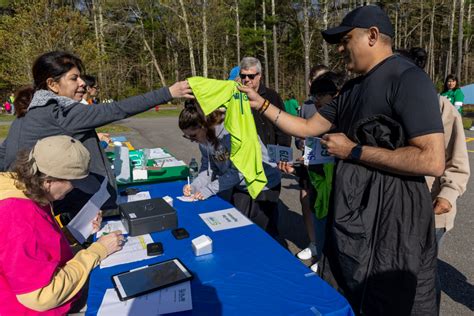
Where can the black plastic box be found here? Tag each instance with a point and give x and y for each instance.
(147, 216)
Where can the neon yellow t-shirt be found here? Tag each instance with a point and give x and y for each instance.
(245, 152)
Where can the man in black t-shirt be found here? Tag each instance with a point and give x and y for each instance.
(380, 250)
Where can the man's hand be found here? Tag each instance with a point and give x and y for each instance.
(256, 101)
(338, 145)
(105, 137)
(181, 89)
(286, 167)
(441, 206)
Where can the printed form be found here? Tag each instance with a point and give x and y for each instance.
(176, 298)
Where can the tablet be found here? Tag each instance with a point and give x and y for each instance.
(150, 278)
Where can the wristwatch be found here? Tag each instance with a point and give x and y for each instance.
(356, 152)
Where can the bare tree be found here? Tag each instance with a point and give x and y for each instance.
(237, 29)
(431, 68)
(460, 36)
(307, 35)
(275, 47)
(265, 48)
(325, 26)
(148, 48)
(421, 23)
(189, 37)
(467, 43)
(449, 57)
(204, 38)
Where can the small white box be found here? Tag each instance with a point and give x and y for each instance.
(168, 199)
(140, 174)
(202, 245)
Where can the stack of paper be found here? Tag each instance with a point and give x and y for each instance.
(176, 298)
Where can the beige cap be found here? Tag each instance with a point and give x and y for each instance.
(61, 157)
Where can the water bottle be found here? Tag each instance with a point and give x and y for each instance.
(193, 169)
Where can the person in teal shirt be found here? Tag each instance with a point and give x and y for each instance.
(291, 105)
(452, 91)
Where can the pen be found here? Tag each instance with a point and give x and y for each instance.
(188, 181)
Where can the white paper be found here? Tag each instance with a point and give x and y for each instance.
(139, 174)
(110, 227)
(176, 298)
(156, 153)
(133, 250)
(186, 198)
(278, 153)
(225, 219)
(175, 163)
(314, 154)
(81, 225)
(142, 195)
(122, 164)
(169, 162)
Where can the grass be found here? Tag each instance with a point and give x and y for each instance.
(110, 129)
(4, 130)
(6, 117)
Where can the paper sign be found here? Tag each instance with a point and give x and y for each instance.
(143, 195)
(176, 298)
(225, 219)
(122, 164)
(278, 153)
(111, 226)
(314, 154)
(133, 250)
(156, 153)
(81, 225)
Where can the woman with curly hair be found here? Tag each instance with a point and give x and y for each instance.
(39, 272)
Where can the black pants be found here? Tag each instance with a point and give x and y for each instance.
(263, 210)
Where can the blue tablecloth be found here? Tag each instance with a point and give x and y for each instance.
(248, 273)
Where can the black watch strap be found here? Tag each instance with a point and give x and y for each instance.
(356, 152)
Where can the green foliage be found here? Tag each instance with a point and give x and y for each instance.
(29, 28)
(35, 28)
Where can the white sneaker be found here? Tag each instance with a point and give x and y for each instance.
(307, 253)
(314, 267)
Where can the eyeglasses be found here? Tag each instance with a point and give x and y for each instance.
(250, 76)
(190, 137)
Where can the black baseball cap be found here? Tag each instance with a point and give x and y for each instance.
(361, 17)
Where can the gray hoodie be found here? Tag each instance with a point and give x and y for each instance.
(49, 114)
(218, 173)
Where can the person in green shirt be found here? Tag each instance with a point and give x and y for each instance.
(291, 105)
(452, 91)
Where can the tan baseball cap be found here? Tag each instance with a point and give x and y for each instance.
(61, 157)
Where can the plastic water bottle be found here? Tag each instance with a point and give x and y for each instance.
(193, 169)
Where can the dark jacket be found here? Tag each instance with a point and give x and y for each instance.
(380, 249)
(49, 114)
(267, 131)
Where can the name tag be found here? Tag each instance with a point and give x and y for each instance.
(314, 154)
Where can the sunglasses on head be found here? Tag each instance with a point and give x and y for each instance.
(250, 76)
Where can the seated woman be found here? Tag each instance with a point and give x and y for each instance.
(218, 174)
(38, 270)
(52, 107)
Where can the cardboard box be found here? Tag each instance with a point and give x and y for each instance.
(147, 216)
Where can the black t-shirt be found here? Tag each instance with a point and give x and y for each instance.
(396, 88)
